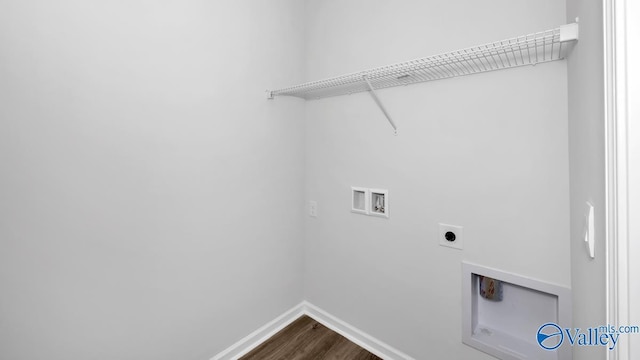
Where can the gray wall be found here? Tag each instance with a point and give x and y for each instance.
(488, 152)
(150, 197)
(587, 171)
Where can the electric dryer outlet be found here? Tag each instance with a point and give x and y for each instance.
(450, 236)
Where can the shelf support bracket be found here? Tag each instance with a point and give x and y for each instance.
(372, 91)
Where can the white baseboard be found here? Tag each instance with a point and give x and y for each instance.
(352, 333)
(251, 341)
(355, 335)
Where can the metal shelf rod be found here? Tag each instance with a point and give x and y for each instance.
(372, 91)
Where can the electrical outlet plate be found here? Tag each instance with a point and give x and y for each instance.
(456, 230)
(313, 208)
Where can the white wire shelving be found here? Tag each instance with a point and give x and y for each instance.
(531, 49)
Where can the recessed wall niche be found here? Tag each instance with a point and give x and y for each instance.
(373, 202)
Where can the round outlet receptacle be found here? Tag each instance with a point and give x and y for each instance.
(450, 236)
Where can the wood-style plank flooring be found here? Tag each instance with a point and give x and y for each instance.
(306, 339)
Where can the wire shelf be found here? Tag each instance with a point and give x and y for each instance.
(532, 49)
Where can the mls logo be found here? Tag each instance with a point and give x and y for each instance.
(550, 336)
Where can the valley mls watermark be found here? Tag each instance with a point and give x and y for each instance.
(550, 336)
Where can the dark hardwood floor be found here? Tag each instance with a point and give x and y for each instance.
(306, 339)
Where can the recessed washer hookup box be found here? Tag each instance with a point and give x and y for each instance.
(506, 325)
